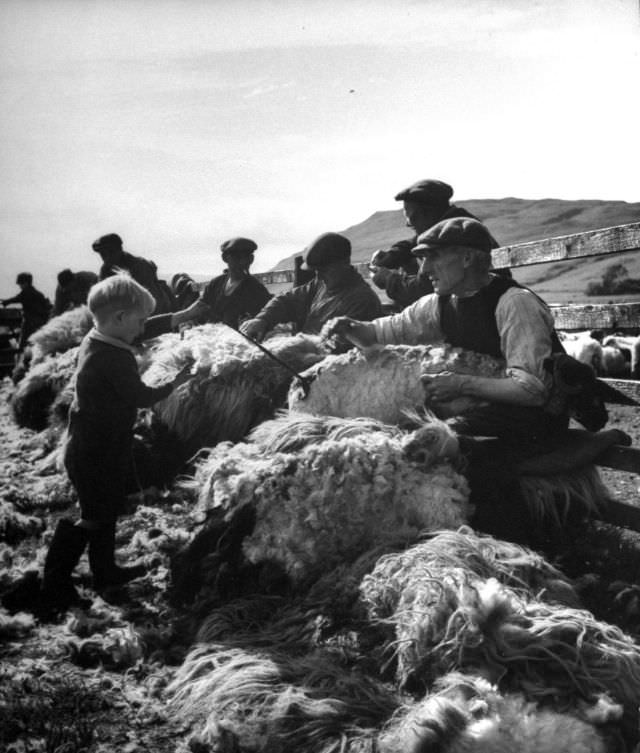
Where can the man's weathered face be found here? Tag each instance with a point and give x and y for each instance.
(239, 261)
(446, 268)
(332, 274)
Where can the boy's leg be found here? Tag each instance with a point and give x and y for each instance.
(106, 572)
(65, 550)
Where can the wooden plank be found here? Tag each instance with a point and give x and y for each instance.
(621, 459)
(609, 240)
(612, 316)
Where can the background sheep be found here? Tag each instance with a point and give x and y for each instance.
(583, 347)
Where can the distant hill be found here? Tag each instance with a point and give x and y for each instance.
(513, 220)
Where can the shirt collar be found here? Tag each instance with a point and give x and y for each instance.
(117, 343)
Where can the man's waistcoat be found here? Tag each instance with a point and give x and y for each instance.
(470, 323)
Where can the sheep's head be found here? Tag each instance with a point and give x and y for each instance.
(433, 440)
(584, 394)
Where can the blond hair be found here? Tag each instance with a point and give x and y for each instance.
(117, 293)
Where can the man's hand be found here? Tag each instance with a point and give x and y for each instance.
(443, 387)
(358, 333)
(256, 329)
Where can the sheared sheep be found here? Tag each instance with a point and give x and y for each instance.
(384, 383)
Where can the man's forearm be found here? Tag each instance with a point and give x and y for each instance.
(499, 390)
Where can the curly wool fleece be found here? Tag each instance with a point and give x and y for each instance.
(332, 500)
(384, 383)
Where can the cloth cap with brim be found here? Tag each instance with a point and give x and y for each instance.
(326, 249)
(110, 242)
(427, 192)
(458, 231)
(238, 246)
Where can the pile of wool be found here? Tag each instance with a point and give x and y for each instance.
(33, 397)
(275, 700)
(467, 713)
(415, 592)
(60, 333)
(333, 499)
(234, 385)
(448, 618)
(384, 383)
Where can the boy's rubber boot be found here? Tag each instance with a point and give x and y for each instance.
(66, 548)
(106, 573)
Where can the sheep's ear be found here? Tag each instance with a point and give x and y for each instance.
(611, 395)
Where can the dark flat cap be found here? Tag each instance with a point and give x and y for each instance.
(238, 246)
(327, 249)
(458, 231)
(110, 242)
(427, 192)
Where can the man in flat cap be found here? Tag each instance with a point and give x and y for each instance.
(473, 308)
(336, 290)
(115, 258)
(395, 270)
(233, 296)
(72, 290)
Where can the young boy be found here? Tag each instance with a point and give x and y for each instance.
(98, 453)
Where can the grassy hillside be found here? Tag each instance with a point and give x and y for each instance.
(513, 220)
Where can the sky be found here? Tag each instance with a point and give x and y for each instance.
(181, 123)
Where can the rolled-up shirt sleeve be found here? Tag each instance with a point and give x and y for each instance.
(417, 324)
(525, 325)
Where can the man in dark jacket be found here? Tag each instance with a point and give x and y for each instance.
(336, 290)
(36, 307)
(72, 290)
(233, 296)
(395, 270)
(115, 258)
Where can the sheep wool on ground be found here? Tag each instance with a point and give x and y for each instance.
(234, 385)
(384, 383)
(331, 500)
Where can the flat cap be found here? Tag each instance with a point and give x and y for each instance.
(327, 249)
(238, 246)
(110, 242)
(457, 231)
(427, 192)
